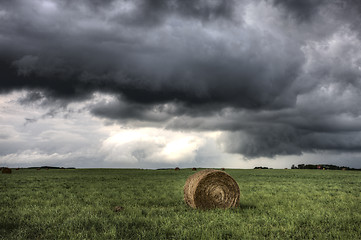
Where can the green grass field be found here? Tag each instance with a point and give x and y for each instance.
(275, 204)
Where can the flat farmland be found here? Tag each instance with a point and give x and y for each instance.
(148, 204)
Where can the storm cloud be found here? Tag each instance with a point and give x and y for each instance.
(276, 77)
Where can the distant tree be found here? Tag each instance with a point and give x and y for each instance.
(260, 167)
(310, 166)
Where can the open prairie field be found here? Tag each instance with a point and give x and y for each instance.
(148, 204)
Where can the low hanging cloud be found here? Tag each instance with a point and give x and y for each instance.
(276, 77)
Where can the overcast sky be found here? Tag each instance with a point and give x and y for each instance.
(188, 83)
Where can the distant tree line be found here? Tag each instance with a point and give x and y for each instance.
(50, 167)
(316, 166)
(262, 168)
(322, 167)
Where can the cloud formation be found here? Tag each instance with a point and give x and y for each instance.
(276, 77)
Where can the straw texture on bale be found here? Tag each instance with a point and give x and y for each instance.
(210, 188)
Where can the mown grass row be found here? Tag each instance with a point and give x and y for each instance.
(275, 204)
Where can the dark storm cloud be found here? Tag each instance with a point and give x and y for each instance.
(30, 97)
(269, 141)
(204, 10)
(118, 109)
(302, 10)
(188, 66)
(282, 77)
(148, 13)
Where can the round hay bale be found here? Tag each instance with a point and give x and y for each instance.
(118, 208)
(210, 188)
(6, 170)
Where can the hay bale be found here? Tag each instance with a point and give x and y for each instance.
(118, 208)
(210, 188)
(6, 170)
